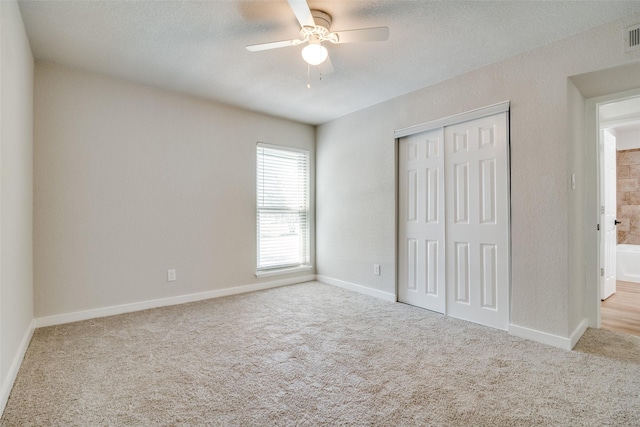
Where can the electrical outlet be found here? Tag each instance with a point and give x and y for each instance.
(171, 275)
(376, 269)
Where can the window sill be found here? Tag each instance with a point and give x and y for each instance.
(278, 271)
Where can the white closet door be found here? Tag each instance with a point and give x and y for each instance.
(421, 224)
(477, 221)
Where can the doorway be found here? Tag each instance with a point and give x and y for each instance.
(619, 169)
(453, 219)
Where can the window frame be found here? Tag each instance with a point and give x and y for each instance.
(306, 263)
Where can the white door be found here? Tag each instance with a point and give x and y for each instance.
(477, 182)
(453, 221)
(421, 227)
(608, 220)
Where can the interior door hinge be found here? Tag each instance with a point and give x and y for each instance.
(602, 209)
(602, 271)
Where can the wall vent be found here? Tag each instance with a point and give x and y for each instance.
(632, 38)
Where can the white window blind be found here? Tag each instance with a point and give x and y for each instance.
(282, 207)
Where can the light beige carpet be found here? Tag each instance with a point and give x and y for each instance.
(313, 354)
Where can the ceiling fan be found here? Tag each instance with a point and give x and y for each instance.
(315, 28)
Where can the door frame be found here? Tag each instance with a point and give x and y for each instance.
(490, 110)
(606, 242)
(593, 180)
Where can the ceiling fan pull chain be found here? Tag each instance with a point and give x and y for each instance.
(308, 76)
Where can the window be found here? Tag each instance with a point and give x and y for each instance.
(282, 208)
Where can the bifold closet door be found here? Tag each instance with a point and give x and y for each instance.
(477, 224)
(421, 223)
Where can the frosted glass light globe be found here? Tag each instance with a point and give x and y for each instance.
(314, 54)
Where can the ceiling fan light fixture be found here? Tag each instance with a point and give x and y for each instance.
(314, 54)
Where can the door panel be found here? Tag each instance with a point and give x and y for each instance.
(461, 192)
(488, 275)
(432, 248)
(462, 272)
(420, 221)
(488, 191)
(476, 168)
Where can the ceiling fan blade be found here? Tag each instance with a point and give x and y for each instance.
(377, 34)
(303, 13)
(272, 45)
(326, 67)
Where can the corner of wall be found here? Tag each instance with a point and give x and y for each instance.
(16, 195)
(387, 296)
(549, 339)
(576, 216)
(9, 379)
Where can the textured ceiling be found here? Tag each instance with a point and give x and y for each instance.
(197, 47)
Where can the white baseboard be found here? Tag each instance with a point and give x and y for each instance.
(7, 385)
(541, 337)
(357, 288)
(163, 302)
(550, 339)
(577, 333)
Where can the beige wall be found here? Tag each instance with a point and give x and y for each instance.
(628, 197)
(131, 181)
(356, 221)
(16, 202)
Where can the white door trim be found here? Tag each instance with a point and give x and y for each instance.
(501, 107)
(592, 212)
(609, 214)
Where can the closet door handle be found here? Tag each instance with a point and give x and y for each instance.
(616, 222)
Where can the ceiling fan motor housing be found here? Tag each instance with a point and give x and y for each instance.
(322, 19)
(321, 31)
